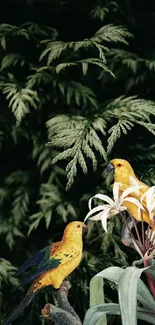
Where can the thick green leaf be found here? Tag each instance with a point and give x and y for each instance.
(97, 296)
(144, 296)
(95, 313)
(96, 291)
(112, 273)
(128, 294)
(131, 289)
(143, 314)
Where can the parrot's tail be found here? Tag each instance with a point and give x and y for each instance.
(19, 309)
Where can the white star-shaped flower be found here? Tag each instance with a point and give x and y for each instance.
(113, 207)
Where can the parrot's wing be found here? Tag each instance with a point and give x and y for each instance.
(39, 258)
(62, 256)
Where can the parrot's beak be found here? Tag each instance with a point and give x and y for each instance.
(84, 229)
(111, 168)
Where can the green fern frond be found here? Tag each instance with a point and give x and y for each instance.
(108, 33)
(78, 93)
(128, 112)
(20, 204)
(85, 62)
(150, 64)
(43, 156)
(130, 60)
(7, 271)
(40, 76)
(71, 91)
(40, 31)
(53, 50)
(78, 137)
(112, 33)
(51, 201)
(101, 12)
(20, 99)
(149, 126)
(6, 31)
(116, 131)
(9, 231)
(125, 59)
(15, 198)
(35, 220)
(18, 196)
(12, 60)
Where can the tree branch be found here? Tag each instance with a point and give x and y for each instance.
(64, 314)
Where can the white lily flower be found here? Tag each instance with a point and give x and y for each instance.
(113, 207)
(150, 201)
(134, 183)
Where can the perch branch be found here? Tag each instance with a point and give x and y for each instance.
(64, 314)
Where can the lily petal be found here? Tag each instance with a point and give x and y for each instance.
(99, 208)
(134, 201)
(116, 192)
(104, 218)
(128, 192)
(97, 216)
(102, 197)
(152, 210)
(150, 196)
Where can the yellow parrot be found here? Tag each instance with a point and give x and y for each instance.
(122, 170)
(54, 264)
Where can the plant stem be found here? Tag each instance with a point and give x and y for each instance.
(131, 234)
(150, 280)
(142, 225)
(136, 229)
(147, 238)
(142, 222)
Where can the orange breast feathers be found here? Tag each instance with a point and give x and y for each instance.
(67, 254)
(70, 258)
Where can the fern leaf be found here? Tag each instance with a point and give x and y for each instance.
(20, 99)
(116, 130)
(37, 218)
(78, 137)
(12, 60)
(53, 50)
(111, 33)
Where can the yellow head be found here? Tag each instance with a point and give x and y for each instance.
(121, 169)
(74, 230)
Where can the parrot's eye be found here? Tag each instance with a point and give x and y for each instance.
(78, 226)
(119, 165)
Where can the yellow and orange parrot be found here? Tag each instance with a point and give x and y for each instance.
(54, 263)
(122, 170)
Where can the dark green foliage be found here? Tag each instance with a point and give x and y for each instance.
(76, 89)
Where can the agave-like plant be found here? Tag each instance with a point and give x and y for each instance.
(131, 289)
